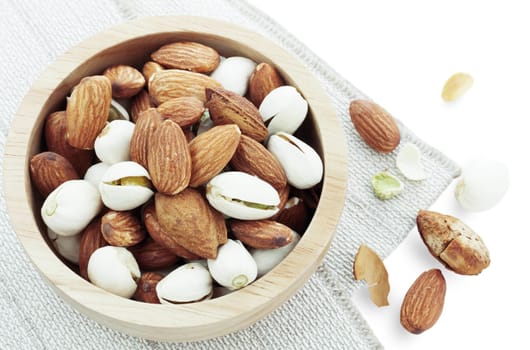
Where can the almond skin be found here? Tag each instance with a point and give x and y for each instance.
(253, 158)
(145, 127)
(424, 301)
(294, 215)
(161, 237)
(189, 221)
(185, 111)
(211, 151)
(173, 83)
(168, 159)
(227, 107)
(55, 136)
(375, 125)
(121, 228)
(187, 55)
(140, 103)
(152, 256)
(126, 81)
(87, 111)
(150, 68)
(146, 290)
(91, 240)
(48, 170)
(261, 234)
(263, 80)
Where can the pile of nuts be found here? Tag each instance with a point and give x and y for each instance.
(196, 194)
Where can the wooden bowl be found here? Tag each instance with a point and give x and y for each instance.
(131, 43)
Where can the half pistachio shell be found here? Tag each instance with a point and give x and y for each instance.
(188, 283)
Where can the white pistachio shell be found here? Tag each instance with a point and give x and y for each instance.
(233, 73)
(267, 259)
(124, 197)
(408, 161)
(95, 173)
(66, 246)
(117, 111)
(70, 207)
(301, 163)
(234, 267)
(242, 196)
(285, 108)
(112, 144)
(114, 269)
(188, 283)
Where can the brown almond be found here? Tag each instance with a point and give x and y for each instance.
(151, 255)
(253, 158)
(55, 136)
(211, 151)
(126, 81)
(263, 80)
(375, 125)
(140, 103)
(161, 237)
(48, 170)
(121, 228)
(185, 111)
(145, 127)
(150, 68)
(91, 240)
(284, 197)
(189, 221)
(146, 289)
(261, 234)
(424, 302)
(294, 215)
(227, 107)
(168, 158)
(173, 83)
(187, 55)
(87, 111)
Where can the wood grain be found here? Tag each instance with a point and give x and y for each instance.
(131, 43)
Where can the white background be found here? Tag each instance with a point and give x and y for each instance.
(400, 53)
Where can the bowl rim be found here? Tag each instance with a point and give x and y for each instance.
(192, 321)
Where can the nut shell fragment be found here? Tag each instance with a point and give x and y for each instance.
(368, 266)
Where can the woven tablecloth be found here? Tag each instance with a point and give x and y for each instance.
(322, 315)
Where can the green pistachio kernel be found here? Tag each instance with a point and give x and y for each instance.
(386, 186)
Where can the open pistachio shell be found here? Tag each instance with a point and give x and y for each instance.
(112, 144)
(267, 259)
(188, 283)
(233, 73)
(285, 108)
(66, 246)
(234, 267)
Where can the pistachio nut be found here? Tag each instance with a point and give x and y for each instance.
(95, 173)
(301, 163)
(70, 207)
(233, 73)
(117, 112)
(115, 270)
(66, 246)
(188, 283)
(125, 186)
(284, 109)
(242, 196)
(234, 267)
(112, 143)
(267, 259)
(206, 122)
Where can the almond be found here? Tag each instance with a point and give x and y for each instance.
(263, 80)
(253, 158)
(126, 81)
(91, 240)
(150, 68)
(140, 103)
(146, 290)
(211, 151)
(48, 170)
(294, 215)
(168, 158)
(145, 127)
(190, 222)
(310, 196)
(424, 301)
(185, 111)
(173, 83)
(161, 237)
(227, 107)
(151, 255)
(187, 55)
(87, 111)
(55, 136)
(375, 125)
(121, 228)
(284, 197)
(261, 234)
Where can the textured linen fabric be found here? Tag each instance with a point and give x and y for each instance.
(322, 315)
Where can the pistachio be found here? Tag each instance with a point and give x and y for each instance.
(301, 163)
(386, 185)
(233, 73)
(284, 108)
(188, 283)
(112, 143)
(70, 207)
(234, 267)
(242, 196)
(267, 259)
(95, 173)
(66, 246)
(117, 112)
(125, 186)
